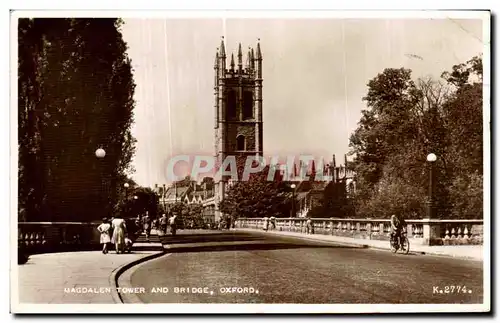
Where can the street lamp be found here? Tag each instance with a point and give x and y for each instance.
(100, 154)
(431, 158)
(293, 199)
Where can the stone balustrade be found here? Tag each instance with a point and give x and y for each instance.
(424, 232)
(37, 237)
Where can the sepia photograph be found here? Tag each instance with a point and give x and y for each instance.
(250, 162)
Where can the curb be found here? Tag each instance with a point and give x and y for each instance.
(115, 274)
(365, 246)
(125, 278)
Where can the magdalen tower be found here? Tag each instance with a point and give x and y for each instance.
(238, 109)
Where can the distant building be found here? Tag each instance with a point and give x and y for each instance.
(333, 194)
(186, 191)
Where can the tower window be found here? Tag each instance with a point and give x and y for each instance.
(247, 105)
(240, 142)
(231, 104)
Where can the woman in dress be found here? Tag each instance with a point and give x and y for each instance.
(119, 233)
(104, 228)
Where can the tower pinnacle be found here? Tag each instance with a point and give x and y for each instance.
(232, 62)
(259, 53)
(252, 60)
(240, 56)
(222, 53)
(249, 60)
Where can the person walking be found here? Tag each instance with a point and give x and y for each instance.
(272, 220)
(119, 233)
(146, 221)
(173, 223)
(265, 225)
(163, 224)
(104, 228)
(309, 226)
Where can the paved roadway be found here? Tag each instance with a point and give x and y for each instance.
(293, 270)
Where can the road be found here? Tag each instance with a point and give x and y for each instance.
(265, 268)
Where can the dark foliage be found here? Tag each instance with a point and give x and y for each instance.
(75, 95)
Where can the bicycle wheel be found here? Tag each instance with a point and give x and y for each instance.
(393, 247)
(405, 246)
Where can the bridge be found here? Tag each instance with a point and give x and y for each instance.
(342, 261)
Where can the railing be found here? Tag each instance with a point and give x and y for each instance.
(425, 231)
(38, 237)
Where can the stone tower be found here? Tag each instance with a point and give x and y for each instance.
(238, 109)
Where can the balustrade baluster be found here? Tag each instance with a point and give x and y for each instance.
(466, 232)
(415, 231)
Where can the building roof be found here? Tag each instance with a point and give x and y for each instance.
(181, 192)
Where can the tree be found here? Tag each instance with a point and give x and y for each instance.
(464, 115)
(404, 122)
(30, 195)
(193, 216)
(75, 95)
(139, 200)
(257, 197)
(384, 131)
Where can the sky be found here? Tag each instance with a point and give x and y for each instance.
(315, 74)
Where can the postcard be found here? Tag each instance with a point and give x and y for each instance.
(250, 162)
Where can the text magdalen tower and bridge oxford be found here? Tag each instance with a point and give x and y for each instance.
(238, 109)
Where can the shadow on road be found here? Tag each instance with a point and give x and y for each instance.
(231, 241)
(209, 237)
(251, 247)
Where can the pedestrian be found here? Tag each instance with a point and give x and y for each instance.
(309, 226)
(104, 228)
(273, 222)
(146, 222)
(173, 223)
(163, 223)
(266, 224)
(119, 233)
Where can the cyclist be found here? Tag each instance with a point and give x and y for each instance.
(398, 225)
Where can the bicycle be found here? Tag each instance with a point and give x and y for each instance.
(400, 243)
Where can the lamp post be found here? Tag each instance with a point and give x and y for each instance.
(100, 154)
(126, 186)
(135, 202)
(293, 199)
(431, 158)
